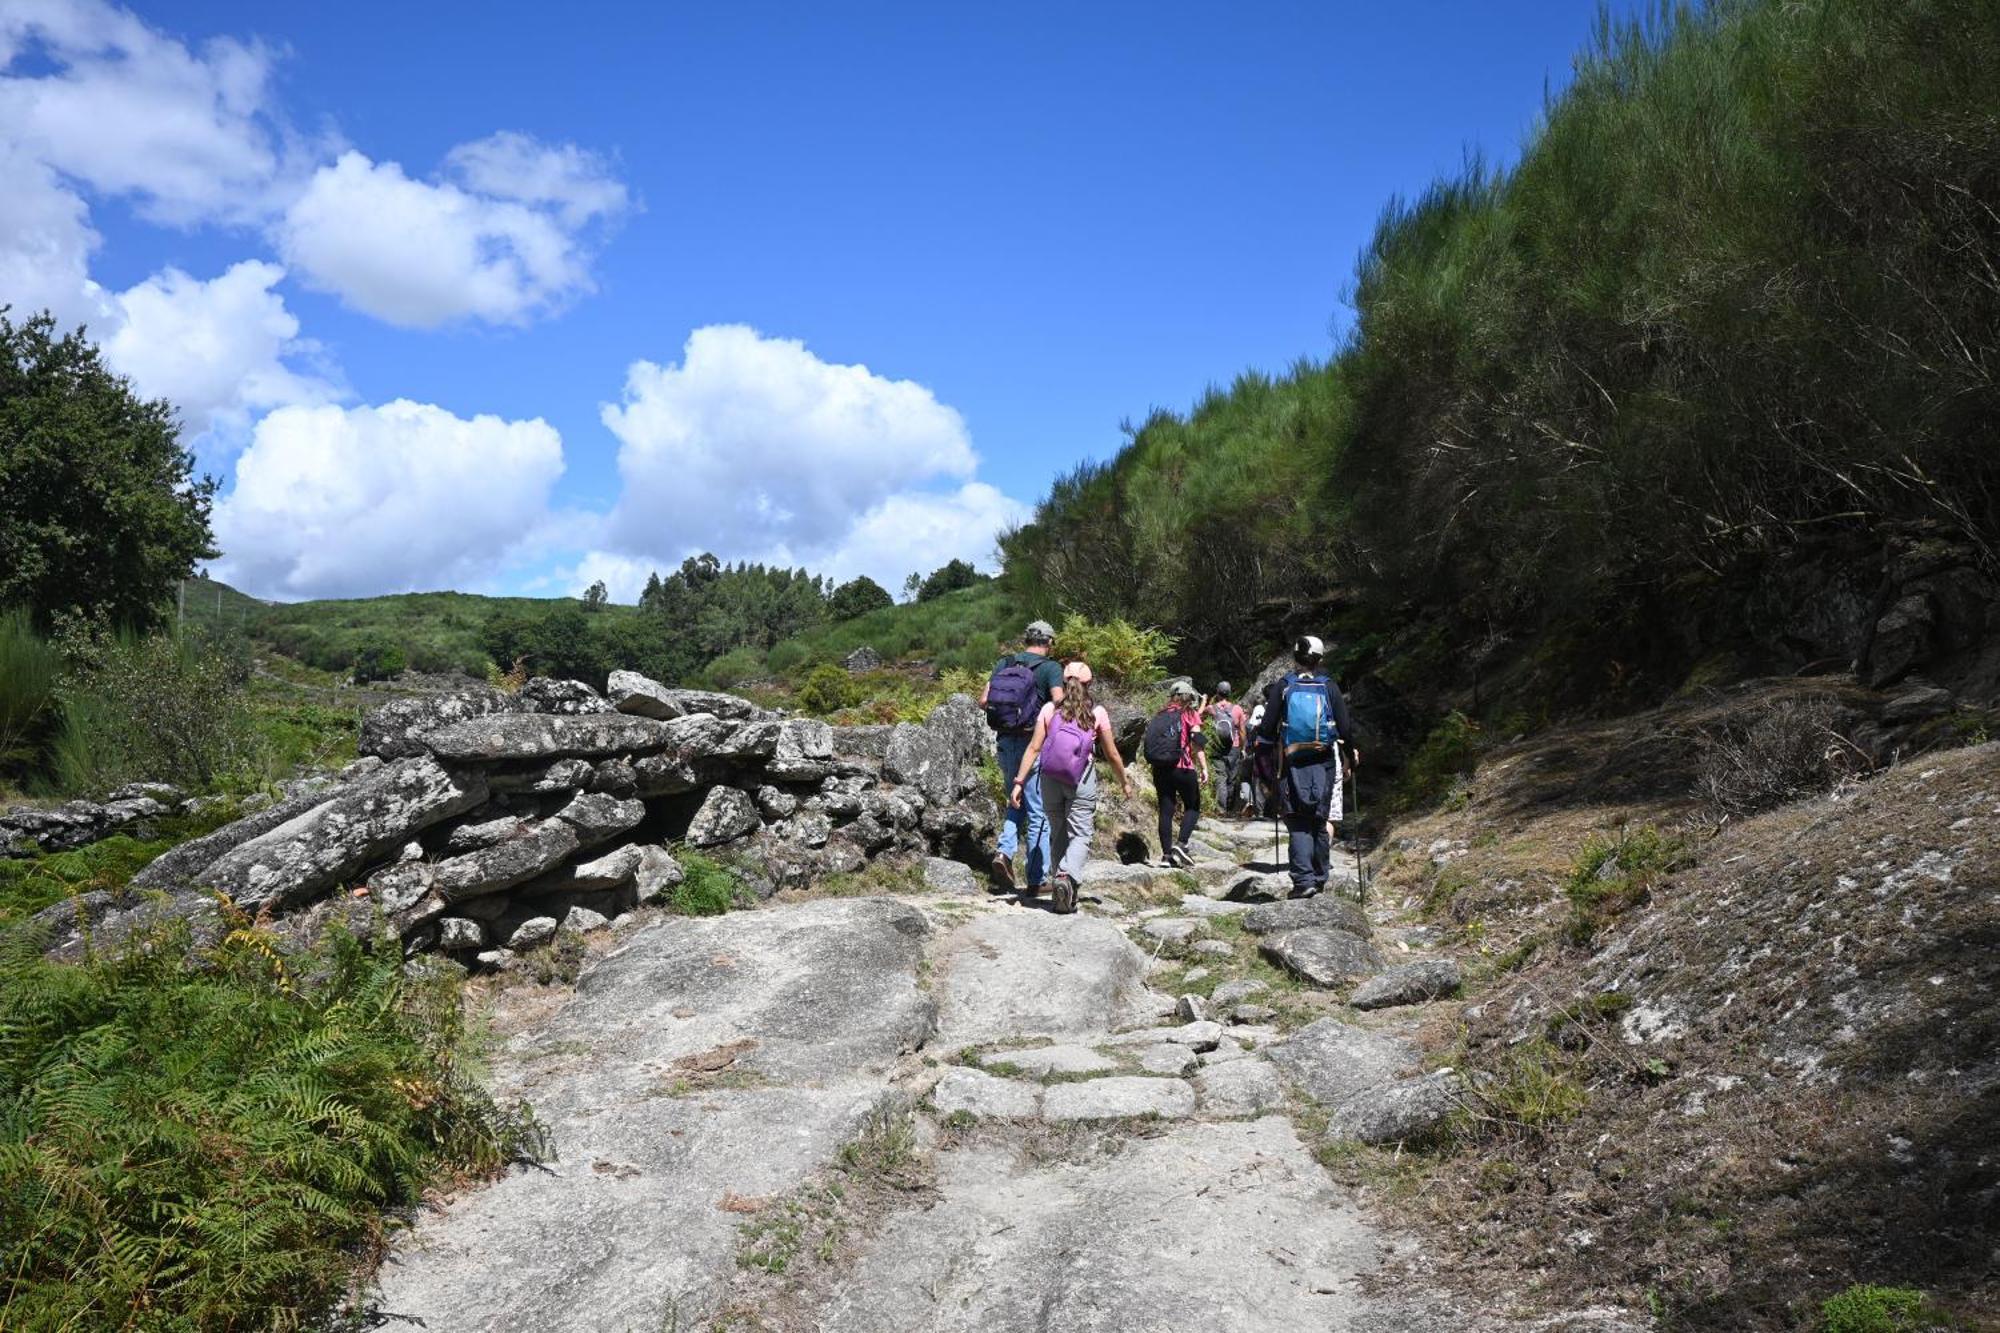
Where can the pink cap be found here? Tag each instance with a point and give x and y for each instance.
(1077, 671)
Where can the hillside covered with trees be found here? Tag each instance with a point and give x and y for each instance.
(1694, 384)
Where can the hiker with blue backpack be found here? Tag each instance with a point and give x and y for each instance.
(1305, 724)
(1069, 735)
(1020, 685)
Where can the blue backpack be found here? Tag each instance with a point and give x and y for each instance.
(1012, 700)
(1308, 733)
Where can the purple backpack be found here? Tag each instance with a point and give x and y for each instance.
(1068, 749)
(1011, 697)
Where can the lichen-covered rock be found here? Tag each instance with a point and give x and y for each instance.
(478, 833)
(457, 932)
(334, 841)
(1412, 983)
(725, 815)
(775, 803)
(540, 779)
(582, 919)
(802, 752)
(1321, 956)
(503, 736)
(598, 817)
(536, 850)
(656, 875)
(569, 698)
(1322, 909)
(534, 931)
(631, 692)
(397, 730)
(616, 777)
(951, 877)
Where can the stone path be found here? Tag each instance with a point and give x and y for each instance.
(1104, 1108)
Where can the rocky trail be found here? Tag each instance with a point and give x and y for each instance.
(956, 1110)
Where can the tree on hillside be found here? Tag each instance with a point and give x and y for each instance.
(949, 577)
(100, 511)
(596, 596)
(857, 597)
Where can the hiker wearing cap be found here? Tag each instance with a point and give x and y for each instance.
(1020, 685)
(1306, 722)
(1260, 767)
(1174, 750)
(1227, 731)
(1069, 734)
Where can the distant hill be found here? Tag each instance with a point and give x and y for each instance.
(964, 629)
(437, 631)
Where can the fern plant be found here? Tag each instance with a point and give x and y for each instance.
(207, 1139)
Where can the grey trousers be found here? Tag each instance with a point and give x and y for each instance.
(1072, 814)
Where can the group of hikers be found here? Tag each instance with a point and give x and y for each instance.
(1287, 757)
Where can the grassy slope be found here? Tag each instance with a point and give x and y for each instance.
(438, 631)
(962, 630)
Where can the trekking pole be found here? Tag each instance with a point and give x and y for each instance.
(1360, 871)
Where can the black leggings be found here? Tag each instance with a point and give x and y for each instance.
(1176, 784)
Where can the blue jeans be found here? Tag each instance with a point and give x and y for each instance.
(1308, 796)
(1028, 823)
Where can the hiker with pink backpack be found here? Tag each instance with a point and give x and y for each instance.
(1069, 734)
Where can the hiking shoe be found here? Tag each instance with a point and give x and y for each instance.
(1030, 893)
(1003, 871)
(1179, 856)
(1305, 890)
(1064, 897)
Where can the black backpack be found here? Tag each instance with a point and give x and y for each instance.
(1163, 737)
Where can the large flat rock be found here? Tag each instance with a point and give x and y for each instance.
(504, 736)
(702, 1058)
(332, 842)
(1034, 974)
(1207, 1226)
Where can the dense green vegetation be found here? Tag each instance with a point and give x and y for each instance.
(1736, 296)
(965, 629)
(208, 1147)
(435, 631)
(103, 512)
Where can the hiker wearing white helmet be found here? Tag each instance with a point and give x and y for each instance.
(1069, 735)
(1020, 684)
(1306, 724)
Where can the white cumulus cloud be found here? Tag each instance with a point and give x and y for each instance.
(188, 134)
(916, 531)
(754, 444)
(503, 238)
(217, 350)
(343, 501)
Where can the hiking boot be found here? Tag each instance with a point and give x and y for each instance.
(1003, 871)
(1064, 897)
(1305, 890)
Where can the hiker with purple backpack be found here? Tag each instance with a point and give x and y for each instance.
(1068, 737)
(1020, 685)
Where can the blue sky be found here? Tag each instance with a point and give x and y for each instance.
(421, 248)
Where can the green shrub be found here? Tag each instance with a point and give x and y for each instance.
(828, 689)
(29, 670)
(1865, 1308)
(1614, 875)
(1117, 650)
(708, 889)
(734, 667)
(1446, 755)
(381, 659)
(164, 707)
(189, 1148)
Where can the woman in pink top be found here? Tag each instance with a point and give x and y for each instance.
(1067, 739)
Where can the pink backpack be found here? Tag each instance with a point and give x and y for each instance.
(1068, 749)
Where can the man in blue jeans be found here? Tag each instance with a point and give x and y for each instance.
(1308, 741)
(1020, 684)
